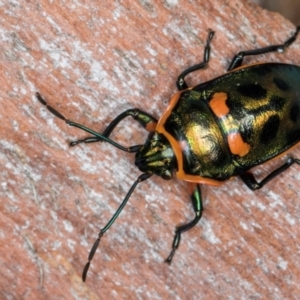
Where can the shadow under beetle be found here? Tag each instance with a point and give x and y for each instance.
(214, 130)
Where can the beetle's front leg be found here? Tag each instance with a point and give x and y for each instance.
(195, 193)
(146, 120)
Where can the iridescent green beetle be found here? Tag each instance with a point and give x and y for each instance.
(215, 130)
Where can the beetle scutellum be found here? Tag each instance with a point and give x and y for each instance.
(215, 130)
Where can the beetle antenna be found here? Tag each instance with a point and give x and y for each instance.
(82, 127)
(141, 178)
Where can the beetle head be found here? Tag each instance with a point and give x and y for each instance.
(156, 156)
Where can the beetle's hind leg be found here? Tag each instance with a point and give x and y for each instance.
(146, 120)
(253, 184)
(238, 58)
(198, 208)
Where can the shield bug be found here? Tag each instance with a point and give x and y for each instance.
(215, 130)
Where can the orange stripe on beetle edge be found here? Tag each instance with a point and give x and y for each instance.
(236, 144)
(177, 147)
(218, 104)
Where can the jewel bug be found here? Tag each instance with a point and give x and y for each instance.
(215, 130)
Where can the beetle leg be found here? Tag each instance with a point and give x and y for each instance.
(140, 179)
(198, 208)
(181, 84)
(251, 182)
(146, 120)
(238, 58)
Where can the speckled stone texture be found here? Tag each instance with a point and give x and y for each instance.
(92, 60)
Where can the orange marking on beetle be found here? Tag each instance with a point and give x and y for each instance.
(236, 144)
(180, 174)
(175, 98)
(218, 104)
(151, 126)
(161, 129)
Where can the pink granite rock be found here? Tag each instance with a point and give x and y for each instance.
(92, 60)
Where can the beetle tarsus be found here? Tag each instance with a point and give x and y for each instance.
(175, 245)
(168, 260)
(91, 255)
(85, 270)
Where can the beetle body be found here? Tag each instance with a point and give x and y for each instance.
(230, 124)
(215, 130)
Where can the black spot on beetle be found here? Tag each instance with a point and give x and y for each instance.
(235, 107)
(295, 113)
(270, 129)
(277, 103)
(281, 84)
(293, 137)
(261, 70)
(252, 90)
